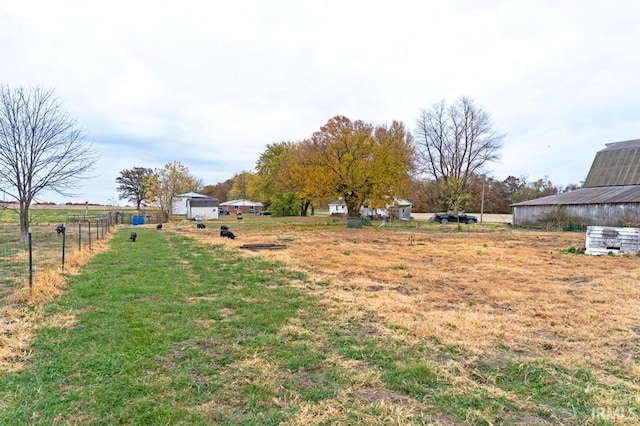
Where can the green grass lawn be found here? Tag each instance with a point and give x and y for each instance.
(167, 331)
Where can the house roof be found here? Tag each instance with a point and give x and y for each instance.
(203, 202)
(617, 164)
(595, 195)
(401, 202)
(396, 202)
(241, 203)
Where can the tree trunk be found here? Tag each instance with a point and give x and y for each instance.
(353, 205)
(24, 221)
(305, 207)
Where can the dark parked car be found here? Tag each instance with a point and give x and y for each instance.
(265, 213)
(454, 217)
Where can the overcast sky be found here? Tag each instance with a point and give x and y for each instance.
(211, 83)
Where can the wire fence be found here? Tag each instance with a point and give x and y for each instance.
(46, 247)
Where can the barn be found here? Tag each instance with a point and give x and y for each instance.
(610, 195)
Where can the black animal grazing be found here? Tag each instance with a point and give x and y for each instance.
(227, 234)
(159, 226)
(200, 225)
(133, 237)
(60, 229)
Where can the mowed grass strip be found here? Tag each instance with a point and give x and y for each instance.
(169, 331)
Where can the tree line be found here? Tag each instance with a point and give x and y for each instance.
(437, 166)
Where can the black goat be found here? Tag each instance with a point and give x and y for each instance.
(133, 236)
(159, 226)
(200, 225)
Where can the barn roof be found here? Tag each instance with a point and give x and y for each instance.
(595, 195)
(617, 164)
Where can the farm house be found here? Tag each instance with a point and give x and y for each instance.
(337, 208)
(610, 195)
(398, 209)
(242, 205)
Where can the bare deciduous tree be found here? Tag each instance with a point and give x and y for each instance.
(41, 148)
(453, 143)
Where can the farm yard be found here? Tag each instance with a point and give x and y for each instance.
(406, 323)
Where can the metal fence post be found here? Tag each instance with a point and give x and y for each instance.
(64, 241)
(89, 233)
(79, 235)
(30, 259)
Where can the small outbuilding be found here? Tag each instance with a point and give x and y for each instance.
(203, 208)
(179, 206)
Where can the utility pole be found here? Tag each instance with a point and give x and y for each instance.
(482, 203)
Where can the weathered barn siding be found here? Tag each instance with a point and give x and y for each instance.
(603, 240)
(611, 214)
(610, 195)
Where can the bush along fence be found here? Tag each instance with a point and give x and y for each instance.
(47, 247)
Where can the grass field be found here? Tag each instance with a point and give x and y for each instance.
(408, 323)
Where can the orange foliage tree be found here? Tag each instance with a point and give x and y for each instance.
(359, 162)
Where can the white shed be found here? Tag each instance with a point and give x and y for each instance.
(180, 202)
(203, 208)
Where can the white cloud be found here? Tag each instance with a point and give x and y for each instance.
(209, 82)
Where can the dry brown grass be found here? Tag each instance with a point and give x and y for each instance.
(493, 294)
(21, 317)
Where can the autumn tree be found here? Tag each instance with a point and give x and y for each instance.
(42, 148)
(361, 162)
(135, 185)
(219, 190)
(169, 181)
(286, 176)
(244, 186)
(452, 143)
(271, 168)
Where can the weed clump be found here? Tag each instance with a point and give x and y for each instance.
(573, 250)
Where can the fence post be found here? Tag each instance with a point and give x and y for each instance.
(30, 259)
(89, 225)
(64, 241)
(79, 235)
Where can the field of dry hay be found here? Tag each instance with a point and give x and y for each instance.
(497, 294)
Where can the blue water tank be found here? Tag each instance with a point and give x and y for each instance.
(137, 220)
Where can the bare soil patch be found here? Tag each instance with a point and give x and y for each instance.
(495, 294)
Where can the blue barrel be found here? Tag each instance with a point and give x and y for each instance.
(137, 220)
